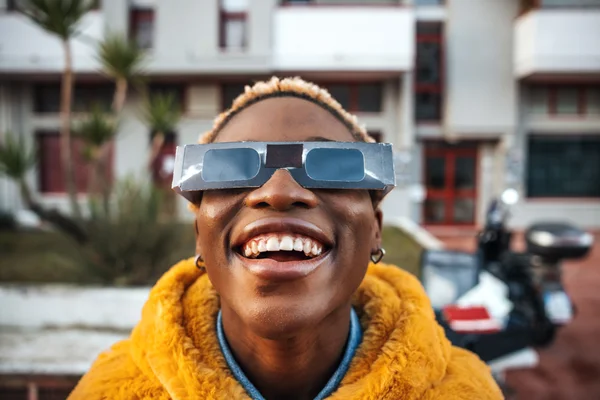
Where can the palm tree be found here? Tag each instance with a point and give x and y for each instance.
(121, 60)
(61, 18)
(162, 114)
(16, 159)
(96, 131)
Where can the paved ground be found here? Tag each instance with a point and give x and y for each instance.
(570, 367)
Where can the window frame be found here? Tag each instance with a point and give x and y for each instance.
(526, 179)
(80, 88)
(552, 100)
(137, 15)
(224, 18)
(433, 88)
(354, 95)
(79, 166)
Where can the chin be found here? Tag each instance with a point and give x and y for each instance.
(277, 318)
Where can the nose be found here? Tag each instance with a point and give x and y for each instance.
(281, 192)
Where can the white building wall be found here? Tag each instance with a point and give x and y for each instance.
(481, 89)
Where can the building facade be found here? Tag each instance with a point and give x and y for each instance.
(475, 95)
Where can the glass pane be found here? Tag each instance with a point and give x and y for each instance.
(234, 5)
(337, 165)
(593, 101)
(428, 106)
(235, 34)
(428, 62)
(464, 173)
(230, 91)
(435, 211)
(429, 28)
(567, 101)
(369, 97)
(464, 210)
(435, 173)
(428, 2)
(570, 3)
(539, 100)
(342, 94)
(563, 166)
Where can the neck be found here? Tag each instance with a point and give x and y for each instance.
(294, 367)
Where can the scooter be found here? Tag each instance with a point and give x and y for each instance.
(498, 303)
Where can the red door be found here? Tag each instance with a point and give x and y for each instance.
(451, 183)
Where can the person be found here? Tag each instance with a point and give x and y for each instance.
(287, 297)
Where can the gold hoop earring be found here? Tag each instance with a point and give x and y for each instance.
(199, 263)
(378, 255)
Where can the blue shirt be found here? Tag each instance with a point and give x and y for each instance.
(354, 339)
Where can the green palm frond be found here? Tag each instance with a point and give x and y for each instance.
(162, 113)
(97, 129)
(59, 17)
(120, 57)
(16, 158)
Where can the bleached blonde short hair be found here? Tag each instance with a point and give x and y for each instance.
(287, 87)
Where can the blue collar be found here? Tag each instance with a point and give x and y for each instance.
(354, 339)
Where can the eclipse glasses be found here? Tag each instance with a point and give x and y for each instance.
(314, 165)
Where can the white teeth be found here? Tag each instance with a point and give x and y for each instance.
(314, 250)
(287, 244)
(298, 245)
(262, 246)
(272, 244)
(307, 247)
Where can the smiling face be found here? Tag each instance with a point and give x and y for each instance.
(282, 257)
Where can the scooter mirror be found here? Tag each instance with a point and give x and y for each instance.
(510, 197)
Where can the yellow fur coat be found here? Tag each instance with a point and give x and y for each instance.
(173, 353)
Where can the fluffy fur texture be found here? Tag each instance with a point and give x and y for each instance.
(173, 353)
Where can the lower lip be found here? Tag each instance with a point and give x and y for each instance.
(272, 270)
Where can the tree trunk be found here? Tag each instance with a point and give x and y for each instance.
(65, 131)
(120, 95)
(157, 142)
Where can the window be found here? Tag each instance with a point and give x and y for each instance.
(377, 135)
(233, 24)
(429, 75)
(229, 92)
(358, 97)
(46, 97)
(562, 100)
(141, 27)
(429, 2)
(178, 91)
(50, 169)
(564, 166)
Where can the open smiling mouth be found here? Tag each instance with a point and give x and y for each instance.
(282, 247)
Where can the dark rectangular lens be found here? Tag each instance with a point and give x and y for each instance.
(223, 165)
(284, 156)
(339, 165)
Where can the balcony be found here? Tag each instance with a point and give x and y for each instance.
(343, 38)
(555, 41)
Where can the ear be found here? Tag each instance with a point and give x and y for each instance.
(198, 248)
(377, 230)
